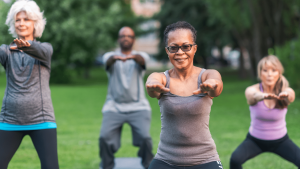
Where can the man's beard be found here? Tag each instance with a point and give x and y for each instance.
(126, 46)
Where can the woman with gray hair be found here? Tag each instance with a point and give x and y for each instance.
(27, 107)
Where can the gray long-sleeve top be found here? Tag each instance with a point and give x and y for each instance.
(27, 98)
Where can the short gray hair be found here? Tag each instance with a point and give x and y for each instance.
(33, 12)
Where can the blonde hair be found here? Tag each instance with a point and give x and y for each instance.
(281, 83)
(33, 12)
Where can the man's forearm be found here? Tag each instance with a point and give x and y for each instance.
(139, 59)
(111, 61)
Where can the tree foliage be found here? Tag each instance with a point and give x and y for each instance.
(254, 26)
(4, 36)
(289, 55)
(78, 30)
(195, 12)
(257, 25)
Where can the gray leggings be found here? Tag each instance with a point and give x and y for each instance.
(110, 135)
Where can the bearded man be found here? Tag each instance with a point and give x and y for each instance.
(125, 101)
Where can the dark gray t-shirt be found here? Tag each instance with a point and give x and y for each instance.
(126, 87)
(27, 98)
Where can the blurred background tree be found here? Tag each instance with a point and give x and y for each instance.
(289, 55)
(257, 25)
(196, 13)
(78, 31)
(4, 37)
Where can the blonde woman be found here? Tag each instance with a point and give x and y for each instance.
(268, 103)
(27, 107)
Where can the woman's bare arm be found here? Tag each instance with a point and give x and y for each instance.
(287, 94)
(212, 83)
(155, 85)
(254, 95)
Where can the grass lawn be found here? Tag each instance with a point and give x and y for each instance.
(78, 115)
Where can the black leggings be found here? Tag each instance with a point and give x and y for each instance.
(158, 164)
(251, 147)
(44, 141)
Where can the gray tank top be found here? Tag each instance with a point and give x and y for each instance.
(185, 139)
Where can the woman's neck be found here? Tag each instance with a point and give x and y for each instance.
(268, 88)
(184, 74)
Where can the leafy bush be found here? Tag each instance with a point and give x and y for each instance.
(77, 30)
(289, 55)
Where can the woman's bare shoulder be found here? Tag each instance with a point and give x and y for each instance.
(211, 71)
(254, 87)
(158, 74)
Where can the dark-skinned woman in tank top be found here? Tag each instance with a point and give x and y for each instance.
(185, 97)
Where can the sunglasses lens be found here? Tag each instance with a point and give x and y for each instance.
(186, 48)
(124, 36)
(173, 49)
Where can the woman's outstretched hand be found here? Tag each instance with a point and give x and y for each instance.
(20, 44)
(283, 95)
(269, 96)
(155, 85)
(206, 87)
(156, 89)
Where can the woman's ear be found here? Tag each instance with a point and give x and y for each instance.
(167, 51)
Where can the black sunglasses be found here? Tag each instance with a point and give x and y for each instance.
(184, 48)
(123, 36)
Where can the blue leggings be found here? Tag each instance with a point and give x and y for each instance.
(158, 164)
(44, 141)
(252, 147)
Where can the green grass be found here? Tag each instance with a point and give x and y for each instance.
(78, 115)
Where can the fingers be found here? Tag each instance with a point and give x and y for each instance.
(206, 87)
(130, 57)
(21, 43)
(270, 96)
(27, 44)
(121, 58)
(124, 58)
(283, 95)
(198, 91)
(157, 88)
(13, 47)
(165, 90)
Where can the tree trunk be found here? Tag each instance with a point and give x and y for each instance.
(86, 73)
